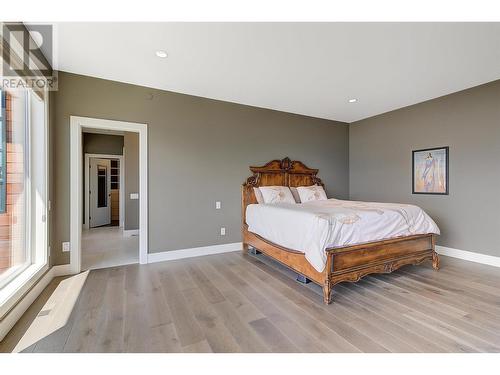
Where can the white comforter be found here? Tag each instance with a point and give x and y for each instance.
(313, 227)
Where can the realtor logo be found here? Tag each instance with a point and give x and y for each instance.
(25, 54)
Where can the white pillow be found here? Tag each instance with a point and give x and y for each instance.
(258, 195)
(276, 194)
(311, 193)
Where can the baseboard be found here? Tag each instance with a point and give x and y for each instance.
(469, 255)
(20, 308)
(62, 270)
(194, 252)
(131, 232)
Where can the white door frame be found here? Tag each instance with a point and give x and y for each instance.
(76, 189)
(87, 186)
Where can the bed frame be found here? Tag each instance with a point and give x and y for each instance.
(348, 263)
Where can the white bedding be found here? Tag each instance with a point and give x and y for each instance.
(313, 227)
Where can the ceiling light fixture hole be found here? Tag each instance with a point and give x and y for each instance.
(161, 54)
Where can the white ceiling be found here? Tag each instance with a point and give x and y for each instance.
(305, 68)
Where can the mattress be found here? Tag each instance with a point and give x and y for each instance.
(315, 226)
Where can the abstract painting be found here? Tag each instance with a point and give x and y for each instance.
(430, 171)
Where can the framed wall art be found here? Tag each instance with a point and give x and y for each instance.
(430, 171)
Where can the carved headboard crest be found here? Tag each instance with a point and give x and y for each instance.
(283, 172)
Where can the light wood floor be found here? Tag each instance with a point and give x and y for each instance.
(235, 303)
(107, 246)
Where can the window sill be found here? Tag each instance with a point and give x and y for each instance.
(11, 293)
(11, 274)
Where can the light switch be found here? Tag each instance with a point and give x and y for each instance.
(222, 231)
(134, 195)
(65, 247)
(217, 205)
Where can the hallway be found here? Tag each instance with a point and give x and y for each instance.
(107, 247)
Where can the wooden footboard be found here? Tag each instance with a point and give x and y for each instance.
(353, 262)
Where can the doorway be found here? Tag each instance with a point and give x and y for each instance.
(104, 190)
(92, 201)
(104, 242)
(99, 192)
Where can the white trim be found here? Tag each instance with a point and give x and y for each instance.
(62, 270)
(469, 255)
(130, 232)
(48, 171)
(143, 194)
(76, 126)
(15, 314)
(12, 293)
(121, 199)
(194, 252)
(48, 174)
(87, 186)
(20, 308)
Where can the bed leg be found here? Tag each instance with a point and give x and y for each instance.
(435, 261)
(254, 251)
(302, 279)
(245, 248)
(327, 293)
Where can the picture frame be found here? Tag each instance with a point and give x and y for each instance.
(430, 171)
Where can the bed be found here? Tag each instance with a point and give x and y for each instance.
(319, 254)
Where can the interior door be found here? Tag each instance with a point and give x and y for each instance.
(100, 192)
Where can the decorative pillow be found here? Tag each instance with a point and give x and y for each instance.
(311, 193)
(258, 195)
(295, 194)
(276, 194)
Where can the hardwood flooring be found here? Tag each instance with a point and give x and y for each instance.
(107, 246)
(241, 303)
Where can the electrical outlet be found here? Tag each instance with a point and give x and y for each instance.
(222, 231)
(217, 205)
(65, 247)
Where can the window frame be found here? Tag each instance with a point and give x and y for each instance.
(13, 272)
(3, 145)
(14, 288)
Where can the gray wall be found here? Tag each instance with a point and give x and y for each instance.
(199, 152)
(131, 180)
(469, 123)
(102, 144)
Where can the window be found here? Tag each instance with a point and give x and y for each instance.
(23, 234)
(3, 156)
(102, 186)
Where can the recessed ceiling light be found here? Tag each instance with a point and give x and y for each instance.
(353, 100)
(161, 54)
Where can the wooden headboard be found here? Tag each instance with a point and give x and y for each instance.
(277, 173)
